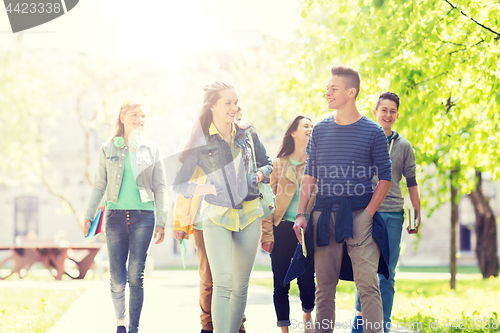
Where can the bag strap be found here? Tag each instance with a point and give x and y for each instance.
(253, 148)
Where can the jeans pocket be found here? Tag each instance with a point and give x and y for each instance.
(147, 216)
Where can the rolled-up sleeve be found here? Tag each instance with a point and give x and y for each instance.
(410, 166)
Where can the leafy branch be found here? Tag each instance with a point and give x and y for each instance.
(465, 48)
(470, 18)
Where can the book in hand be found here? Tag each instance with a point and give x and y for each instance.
(95, 227)
(304, 250)
(412, 218)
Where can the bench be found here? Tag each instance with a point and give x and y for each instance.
(51, 256)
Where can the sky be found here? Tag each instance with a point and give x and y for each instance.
(127, 29)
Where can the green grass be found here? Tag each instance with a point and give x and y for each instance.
(439, 269)
(428, 301)
(33, 310)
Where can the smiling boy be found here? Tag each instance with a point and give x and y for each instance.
(346, 204)
(402, 156)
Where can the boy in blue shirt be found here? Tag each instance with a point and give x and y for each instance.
(344, 153)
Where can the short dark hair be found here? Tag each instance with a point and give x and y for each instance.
(390, 96)
(349, 76)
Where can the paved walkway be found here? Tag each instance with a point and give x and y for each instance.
(171, 305)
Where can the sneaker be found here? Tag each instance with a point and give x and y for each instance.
(121, 329)
(357, 325)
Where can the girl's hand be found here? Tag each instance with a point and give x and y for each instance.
(86, 227)
(260, 176)
(160, 234)
(268, 247)
(179, 235)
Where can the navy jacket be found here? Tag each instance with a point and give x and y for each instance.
(343, 228)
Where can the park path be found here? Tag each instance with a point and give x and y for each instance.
(171, 305)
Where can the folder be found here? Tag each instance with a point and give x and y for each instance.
(95, 227)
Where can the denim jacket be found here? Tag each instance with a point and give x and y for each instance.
(213, 155)
(150, 178)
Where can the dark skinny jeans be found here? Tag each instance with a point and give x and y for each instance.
(285, 243)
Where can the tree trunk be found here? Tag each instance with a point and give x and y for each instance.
(454, 224)
(486, 231)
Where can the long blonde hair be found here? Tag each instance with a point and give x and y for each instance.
(130, 104)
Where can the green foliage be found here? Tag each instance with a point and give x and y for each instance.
(23, 90)
(33, 310)
(440, 58)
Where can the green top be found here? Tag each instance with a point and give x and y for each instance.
(294, 204)
(129, 197)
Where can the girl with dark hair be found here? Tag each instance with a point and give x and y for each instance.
(130, 173)
(278, 237)
(234, 161)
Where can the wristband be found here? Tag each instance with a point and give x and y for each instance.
(300, 214)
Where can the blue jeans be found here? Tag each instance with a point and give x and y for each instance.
(128, 236)
(285, 243)
(394, 222)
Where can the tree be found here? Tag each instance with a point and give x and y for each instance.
(486, 241)
(440, 57)
(23, 90)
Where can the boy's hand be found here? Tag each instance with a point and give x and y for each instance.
(417, 224)
(300, 223)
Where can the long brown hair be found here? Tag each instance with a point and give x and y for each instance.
(288, 145)
(129, 104)
(205, 117)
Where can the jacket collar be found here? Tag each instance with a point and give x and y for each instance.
(237, 132)
(287, 169)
